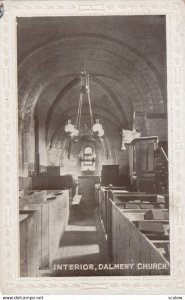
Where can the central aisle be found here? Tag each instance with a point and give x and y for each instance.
(83, 244)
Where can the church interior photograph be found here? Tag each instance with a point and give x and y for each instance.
(93, 146)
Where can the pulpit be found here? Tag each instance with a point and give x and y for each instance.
(141, 164)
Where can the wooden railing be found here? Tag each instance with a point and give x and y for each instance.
(161, 170)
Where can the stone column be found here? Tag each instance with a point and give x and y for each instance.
(29, 146)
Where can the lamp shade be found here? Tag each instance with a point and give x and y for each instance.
(101, 132)
(76, 132)
(96, 127)
(69, 127)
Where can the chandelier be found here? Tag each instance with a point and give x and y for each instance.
(76, 131)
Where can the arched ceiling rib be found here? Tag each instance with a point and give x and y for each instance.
(40, 87)
(129, 69)
(109, 127)
(86, 39)
(51, 116)
(104, 115)
(132, 29)
(125, 63)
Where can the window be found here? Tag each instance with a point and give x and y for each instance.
(88, 159)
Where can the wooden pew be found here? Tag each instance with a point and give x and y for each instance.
(128, 244)
(29, 240)
(113, 193)
(53, 183)
(107, 215)
(97, 191)
(58, 220)
(102, 199)
(53, 213)
(45, 182)
(34, 195)
(120, 197)
(139, 199)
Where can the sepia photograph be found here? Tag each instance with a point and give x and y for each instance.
(93, 146)
(93, 150)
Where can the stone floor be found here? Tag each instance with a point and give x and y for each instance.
(83, 246)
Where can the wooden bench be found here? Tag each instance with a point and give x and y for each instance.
(103, 194)
(132, 239)
(29, 243)
(77, 199)
(53, 212)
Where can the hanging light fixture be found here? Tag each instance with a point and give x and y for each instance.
(76, 131)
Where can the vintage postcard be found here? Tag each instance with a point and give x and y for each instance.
(93, 147)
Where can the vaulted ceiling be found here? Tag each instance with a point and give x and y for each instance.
(124, 55)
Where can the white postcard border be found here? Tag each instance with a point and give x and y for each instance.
(11, 283)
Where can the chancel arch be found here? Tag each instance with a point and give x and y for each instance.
(93, 146)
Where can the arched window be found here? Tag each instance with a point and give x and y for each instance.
(88, 151)
(88, 159)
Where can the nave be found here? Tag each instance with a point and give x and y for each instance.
(115, 233)
(93, 146)
(83, 244)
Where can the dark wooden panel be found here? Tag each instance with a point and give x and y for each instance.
(156, 214)
(52, 182)
(86, 186)
(109, 228)
(141, 164)
(53, 171)
(110, 175)
(103, 207)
